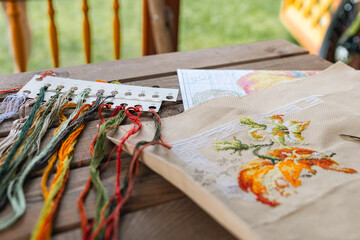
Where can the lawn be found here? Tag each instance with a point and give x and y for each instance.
(203, 24)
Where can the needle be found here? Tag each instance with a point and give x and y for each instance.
(350, 137)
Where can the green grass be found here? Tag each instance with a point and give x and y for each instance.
(203, 24)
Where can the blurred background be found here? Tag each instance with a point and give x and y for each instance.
(202, 24)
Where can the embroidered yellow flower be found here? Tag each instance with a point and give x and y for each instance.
(279, 130)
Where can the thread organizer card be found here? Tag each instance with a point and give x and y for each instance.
(147, 97)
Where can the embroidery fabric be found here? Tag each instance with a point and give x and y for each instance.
(272, 174)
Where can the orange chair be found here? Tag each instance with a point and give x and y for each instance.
(308, 20)
(329, 28)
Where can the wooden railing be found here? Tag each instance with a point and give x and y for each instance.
(53, 35)
(160, 29)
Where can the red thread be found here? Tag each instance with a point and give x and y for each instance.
(48, 72)
(132, 131)
(108, 160)
(86, 228)
(10, 90)
(107, 106)
(167, 145)
(117, 110)
(112, 221)
(81, 207)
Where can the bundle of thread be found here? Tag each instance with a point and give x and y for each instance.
(20, 157)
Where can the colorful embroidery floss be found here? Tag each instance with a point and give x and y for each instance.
(39, 114)
(42, 229)
(15, 191)
(32, 143)
(11, 105)
(53, 158)
(115, 204)
(16, 128)
(23, 131)
(98, 155)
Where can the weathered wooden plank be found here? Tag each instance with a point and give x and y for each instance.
(300, 62)
(297, 62)
(71, 234)
(150, 189)
(178, 219)
(165, 64)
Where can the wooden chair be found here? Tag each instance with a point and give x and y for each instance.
(160, 29)
(308, 20)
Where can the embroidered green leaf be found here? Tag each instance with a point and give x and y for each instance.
(236, 146)
(253, 128)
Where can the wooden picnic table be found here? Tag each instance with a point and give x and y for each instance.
(156, 209)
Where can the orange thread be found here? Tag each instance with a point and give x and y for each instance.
(43, 230)
(10, 90)
(48, 72)
(101, 81)
(53, 158)
(107, 106)
(82, 212)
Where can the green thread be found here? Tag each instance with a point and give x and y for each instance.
(24, 130)
(271, 158)
(99, 152)
(250, 123)
(32, 143)
(15, 191)
(236, 146)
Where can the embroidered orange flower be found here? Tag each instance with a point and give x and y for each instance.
(269, 176)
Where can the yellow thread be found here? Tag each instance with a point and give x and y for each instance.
(43, 227)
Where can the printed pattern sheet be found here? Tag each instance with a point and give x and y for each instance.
(199, 86)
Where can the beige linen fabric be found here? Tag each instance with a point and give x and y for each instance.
(323, 206)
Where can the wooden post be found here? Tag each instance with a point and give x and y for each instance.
(86, 31)
(17, 35)
(148, 45)
(53, 35)
(173, 7)
(160, 26)
(116, 29)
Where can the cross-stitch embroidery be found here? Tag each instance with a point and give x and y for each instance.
(274, 174)
(279, 130)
